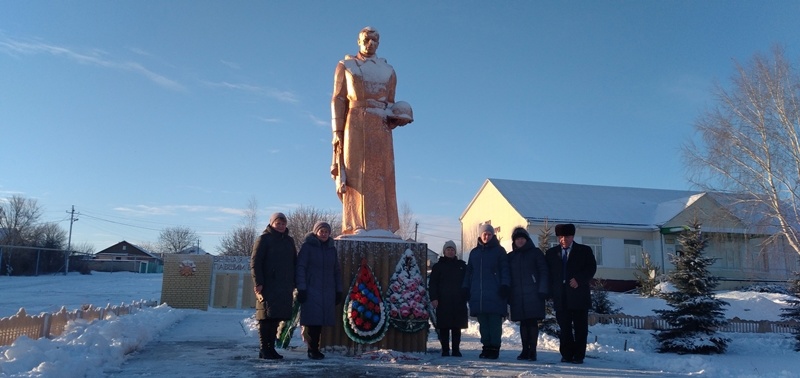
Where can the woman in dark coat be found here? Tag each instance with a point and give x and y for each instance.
(486, 285)
(529, 288)
(319, 285)
(272, 266)
(444, 289)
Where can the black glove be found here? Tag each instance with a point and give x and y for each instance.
(504, 291)
(465, 294)
(302, 295)
(339, 297)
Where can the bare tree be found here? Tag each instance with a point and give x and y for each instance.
(751, 142)
(19, 217)
(302, 220)
(407, 222)
(240, 240)
(83, 247)
(176, 239)
(49, 235)
(149, 247)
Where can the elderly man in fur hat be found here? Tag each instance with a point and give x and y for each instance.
(572, 267)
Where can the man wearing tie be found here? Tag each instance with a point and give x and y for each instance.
(572, 267)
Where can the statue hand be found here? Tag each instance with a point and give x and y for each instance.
(338, 137)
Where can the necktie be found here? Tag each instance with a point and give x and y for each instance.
(564, 263)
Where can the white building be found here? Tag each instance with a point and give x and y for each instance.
(620, 224)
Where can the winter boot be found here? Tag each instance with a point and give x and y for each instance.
(456, 342)
(266, 334)
(314, 334)
(444, 339)
(523, 335)
(485, 353)
(533, 340)
(495, 353)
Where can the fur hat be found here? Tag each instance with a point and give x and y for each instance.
(565, 229)
(486, 228)
(277, 215)
(321, 224)
(449, 244)
(519, 232)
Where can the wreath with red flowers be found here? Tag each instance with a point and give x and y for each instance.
(364, 314)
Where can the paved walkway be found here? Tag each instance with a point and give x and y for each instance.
(214, 344)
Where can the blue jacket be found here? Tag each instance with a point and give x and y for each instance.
(320, 275)
(487, 271)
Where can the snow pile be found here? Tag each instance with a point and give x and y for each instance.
(87, 349)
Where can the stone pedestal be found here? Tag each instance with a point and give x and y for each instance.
(382, 255)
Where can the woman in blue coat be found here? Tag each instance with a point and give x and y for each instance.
(529, 288)
(319, 285)
(486, 285)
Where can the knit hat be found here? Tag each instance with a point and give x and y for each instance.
(486, 228)
(275, 216)
(565, 229)
(519, 232)
(320, 225)
(449, 244)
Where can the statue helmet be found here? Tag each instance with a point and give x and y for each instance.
(402, 110)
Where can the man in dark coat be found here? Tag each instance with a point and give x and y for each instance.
(530, 284)
(272, 266)
(319, 285)
(486, 284)
(444, 288)
(572, 267)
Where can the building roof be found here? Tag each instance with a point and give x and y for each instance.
(576, 203)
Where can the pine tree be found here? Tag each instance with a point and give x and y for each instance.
(696, 311)
(646, 275)
(793, 311)
(601, 303)
(548, 325)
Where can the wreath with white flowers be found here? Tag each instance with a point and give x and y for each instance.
(364, 314)
(407, 298)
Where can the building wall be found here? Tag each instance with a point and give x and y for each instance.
(489, 205)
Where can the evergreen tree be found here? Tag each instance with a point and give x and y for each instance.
(646, 275)
(793, 311)
(601, 303)
(696, 311)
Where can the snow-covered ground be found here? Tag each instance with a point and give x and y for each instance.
(163, 341)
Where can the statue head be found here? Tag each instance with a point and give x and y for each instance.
(368, 41)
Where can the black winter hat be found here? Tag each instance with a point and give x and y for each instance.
(565, 229)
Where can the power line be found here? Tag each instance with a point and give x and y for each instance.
(120, 223)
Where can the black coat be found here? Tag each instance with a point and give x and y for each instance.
(445, 286)
(272, 265)
(530, 282)
(319, 274)
(582, 266)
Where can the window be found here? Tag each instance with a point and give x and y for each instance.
(597, 246)
(633, 253)
(726, 254)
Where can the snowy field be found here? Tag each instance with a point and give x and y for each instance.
(162, 341)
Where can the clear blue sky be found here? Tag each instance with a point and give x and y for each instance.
(146, 115)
